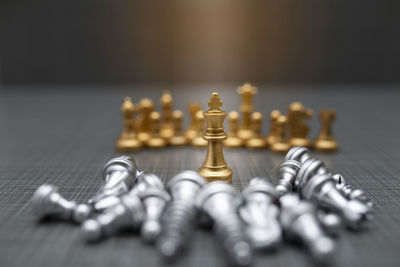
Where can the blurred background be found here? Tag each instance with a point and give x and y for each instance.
(102, 42)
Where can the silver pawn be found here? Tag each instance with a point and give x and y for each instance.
(119, 176)
(320, 187)
(286, 174)
(47, 202)
(219, 201)
(127, 214)
(299, 154)
(299, 221)
(180, 214)
(154, 201)
(259, 211)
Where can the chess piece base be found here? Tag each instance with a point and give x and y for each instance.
(128, 145)
(301, 142)
(280, 147)
(177, 141)
(216, 174)
(245, 134)
(157, 142)
(199, 142)
(256, 143)
(325, 145)
(233, 142)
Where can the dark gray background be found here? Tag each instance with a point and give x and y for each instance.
(64, 137)
(129, 41)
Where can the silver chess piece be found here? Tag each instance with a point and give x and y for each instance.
(154, 201)
(119, 176)
(350, 193)
(299, 220)
(330, 221)
(299, 154)
(286, 174)
(47, 202)
(127, 214)
(317, 185)
(259, 211)
(219, 201)
(180, 214)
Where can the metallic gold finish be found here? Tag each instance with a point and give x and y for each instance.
(178, 139)
(281, 144)
(233, 140)
(246, 107)
(297, 128)
(214, 167)
(199, 141)
(325, 140)
(146, 107)
(128, 140)
(273, 117)
(191, 132)
(167, 126)
(257, 140)
(155, 141)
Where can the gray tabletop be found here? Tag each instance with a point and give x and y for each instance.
(63, 136)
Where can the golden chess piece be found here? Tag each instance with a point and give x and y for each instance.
(145, 108)
(297, 128)
(191, 132)
(281, 144)
(246, 107)
(155, 141)
(233, 140)
(128, 141)
(214, 167)
(167, 126)
(257, 141)
(199, 141)
(273, 117)
(179, 138)
(325, 141)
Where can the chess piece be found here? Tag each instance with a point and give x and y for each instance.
(246, 91)
(128, 140)
(179, 217)
(257, 140)
(191, 132)
(273, 117)
(286, 175)
(127, 214)
(233, 140)
(297, 128)
(259, 211)
(48, 203)
(199, 141)
(145, 108)
(296, 216)
(331, 222)
(155, 141)
(179, 138)
(214, 167)
(281, 144)
(167, 126)
(325, 140)
(299, 154)
(154, 201)
(350, 193)
(119, 175)
(219, 202)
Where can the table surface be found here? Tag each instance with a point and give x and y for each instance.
(63, 136)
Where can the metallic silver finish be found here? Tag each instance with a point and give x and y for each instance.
(127, 214)
(299, 154)
(286, 174)
(47, 202)
(154, 201)
(299, 220)
(354, 194)
(180, 214)
(259, 211)
(331, 222)
(146, 181)
(219, 201)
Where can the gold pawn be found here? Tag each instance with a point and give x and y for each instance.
(178, 139)
(128, 142)
(247, 91)
(325, 141)
(155, 140)
(167, 126)
(233, 140)
(146, 107)
(191, 132)
(297, 127)
(214, 167)
(257, 141)
(281, 144)
(199, 141)
(273, 117)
